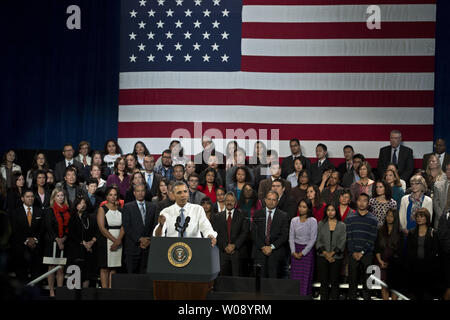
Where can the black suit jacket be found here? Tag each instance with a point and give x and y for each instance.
(38, 202)
(20, 230)
(239, 229)
(287, 166)
(134, 226)
(279, 231)
(155, 183)
(405, 161)
(60, 168)
(427, 156)
(200, 158)
(316, 172)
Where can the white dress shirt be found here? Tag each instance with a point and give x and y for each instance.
(198, 223)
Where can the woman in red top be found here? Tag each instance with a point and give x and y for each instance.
(313, 194)
(344, 204)
(56, 230)
(210, 185)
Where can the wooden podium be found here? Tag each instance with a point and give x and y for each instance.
(182, 268)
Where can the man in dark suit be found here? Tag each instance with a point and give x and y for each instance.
(439, 150)
(322, 164)
(396, 153)
(279, 187)
(270, 231)
(287, 166)
(232, 229)
(201, 159)
(347, 165)
(61, 166)
(352, 175)
(266, 184)
(138, 220)
(152, 179)
(27, 227)
(195, 196)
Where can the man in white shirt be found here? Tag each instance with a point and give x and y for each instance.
(198, 227)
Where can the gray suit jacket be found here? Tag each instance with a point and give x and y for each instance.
(198, 197)
(440, 191)
(337, 243)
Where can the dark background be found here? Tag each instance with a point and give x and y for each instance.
(61, 86)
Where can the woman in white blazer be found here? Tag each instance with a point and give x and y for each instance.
(8, 167)
(414, 201)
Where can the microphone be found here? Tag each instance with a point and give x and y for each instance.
(177, 224)
(186, 224)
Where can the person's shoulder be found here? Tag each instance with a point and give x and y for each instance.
(313, 220)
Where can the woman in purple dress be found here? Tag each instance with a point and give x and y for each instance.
(302, 238)
(120, 177)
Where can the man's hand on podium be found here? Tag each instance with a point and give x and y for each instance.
(213, 240)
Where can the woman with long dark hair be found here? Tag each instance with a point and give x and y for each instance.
(161, 194)
(8, 167)
(318, 206)
(422, 257)
(120, 177)
(240, 178)
(302, 237)
(81, 239)
(330, 245)
(381, 201)
(14, 194)
(39, 163)
(140, 151)
(388, 251)
(41, 192)
(210, 184)
(112, 151)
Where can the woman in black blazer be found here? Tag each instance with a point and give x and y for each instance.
(41, 192)
(422, 257)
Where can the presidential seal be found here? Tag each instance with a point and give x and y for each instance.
(179, 254)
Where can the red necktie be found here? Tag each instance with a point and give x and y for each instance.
(269, 225)
(229, 226)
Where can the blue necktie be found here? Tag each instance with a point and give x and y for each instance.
(149, 181)
(181, 221)
(142, 204)
(394, 156)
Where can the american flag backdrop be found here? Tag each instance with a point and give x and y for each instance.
(310, 69)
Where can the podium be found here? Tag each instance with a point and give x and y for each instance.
(182, 268)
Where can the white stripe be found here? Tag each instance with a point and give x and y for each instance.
(338, 47)
(277, 81)
(370, 149)
(281, 115)
(338, 13)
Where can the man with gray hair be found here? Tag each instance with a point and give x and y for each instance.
(232, 230)
(398, 154)
(184, 219)
(270, 232)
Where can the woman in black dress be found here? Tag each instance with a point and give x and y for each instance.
(55, 234)
(81, 240)
(388, 250)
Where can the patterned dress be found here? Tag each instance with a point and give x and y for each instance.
(379, 209)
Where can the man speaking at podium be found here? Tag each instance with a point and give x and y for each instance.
(183, 219)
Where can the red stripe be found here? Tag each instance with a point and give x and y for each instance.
(338, 30)
(319, 132)
(337, 64)
(288, 98)
(332, 2)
